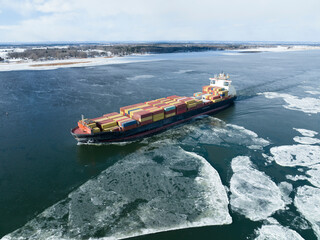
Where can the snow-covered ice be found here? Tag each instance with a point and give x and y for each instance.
(306, 132)
(296, 155)
(306, 140)
(276, 232)
(148, 191)
(253, 193)
(307, 201)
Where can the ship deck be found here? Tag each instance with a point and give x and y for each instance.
(77, 131)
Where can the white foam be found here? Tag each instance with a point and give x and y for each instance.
(140, 77)
(160, 187)
(276, 232)
(306, 140)
(313, 92)
(253, 193)
(307, 105)
(306, 132)
(182, 71)
(296, 155)
(214, 131)
(307, 201)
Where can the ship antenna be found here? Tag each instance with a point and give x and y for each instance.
(82, 117)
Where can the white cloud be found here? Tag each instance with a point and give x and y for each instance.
(58, 20)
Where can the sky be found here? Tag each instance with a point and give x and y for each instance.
(159, 20)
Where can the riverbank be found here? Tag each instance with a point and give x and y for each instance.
(16, 65)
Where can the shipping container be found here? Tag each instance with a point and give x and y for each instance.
(169, 115)
(107, 123)
(95, 130)
(123, 128)
(112, 129)
(157, 117)
(115, 116)
(110, 114)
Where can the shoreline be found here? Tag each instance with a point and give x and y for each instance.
(97, 61)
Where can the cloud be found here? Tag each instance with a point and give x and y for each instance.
(126, 20)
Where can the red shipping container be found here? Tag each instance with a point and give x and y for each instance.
(171, 111)
(173, 97)
(105, 121)
(192, 108)
(121, 119)
(161, 105)
(181, 111)
(98, 118)
(200, 105)
(158, 111)
(110, 114)
(142, 114)
(129, 127)
(146, 108)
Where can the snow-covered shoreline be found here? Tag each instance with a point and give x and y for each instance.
(280, 48)
(16, 65)
(54, 64)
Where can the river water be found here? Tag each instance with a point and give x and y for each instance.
(251, 171)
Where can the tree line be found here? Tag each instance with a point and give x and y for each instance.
(87, 51)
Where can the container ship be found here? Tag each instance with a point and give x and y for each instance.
(144, 119)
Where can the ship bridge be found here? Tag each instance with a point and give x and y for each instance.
(222, 80)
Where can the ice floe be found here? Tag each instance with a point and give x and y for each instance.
(253, 193)
(296, 155)
(276, 232)
(307, 201)
(158, 188)
(314, 175)
(300, 155)
(296, 177)
(307, 105)
(306, 140)
(306, 132)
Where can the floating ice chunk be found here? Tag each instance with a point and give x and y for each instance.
(296, 177)
(306, 132)
(296, 155)
(277, 232)
(307, 105)
(286, 189)
(267, 157)
(306, 140)
(307, 202)
(314, 175)
(158, 188)
(271, 220)
(253, 193)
